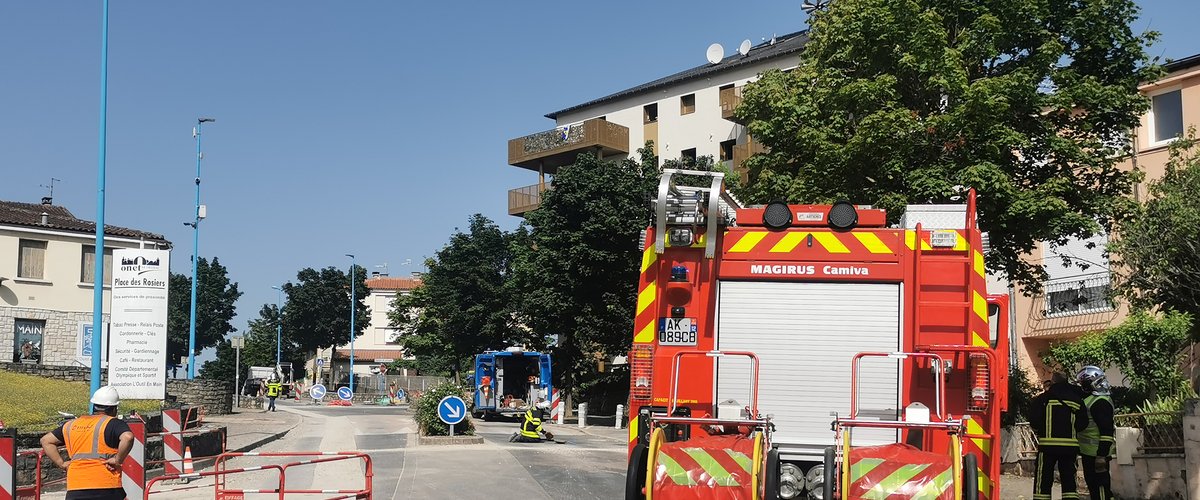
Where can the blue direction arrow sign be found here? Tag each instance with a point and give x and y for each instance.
(317, 391)
(345, 394)
(452, 410)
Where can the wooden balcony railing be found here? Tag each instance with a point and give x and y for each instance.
(730, 99)
(525, 199)
(559, 146)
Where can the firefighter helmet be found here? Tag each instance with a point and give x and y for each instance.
(1092, 379)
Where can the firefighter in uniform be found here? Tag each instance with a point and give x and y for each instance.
(96, 445)
(531, 426)
(1056, 417)
(273, 390)
(1096, 443)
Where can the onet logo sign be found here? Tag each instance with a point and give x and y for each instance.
(139, 264)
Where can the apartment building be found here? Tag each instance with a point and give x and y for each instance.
(377, 345)
(47, 279)
(687, 114)
(1075, 299)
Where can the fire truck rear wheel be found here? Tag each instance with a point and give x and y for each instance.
(970, 477)
(771, 470)
(830, 474)
(635, 474)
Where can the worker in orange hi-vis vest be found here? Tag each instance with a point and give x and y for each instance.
(96, 445)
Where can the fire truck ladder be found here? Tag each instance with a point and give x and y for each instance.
(681, 206)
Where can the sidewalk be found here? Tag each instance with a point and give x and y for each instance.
(249, 429)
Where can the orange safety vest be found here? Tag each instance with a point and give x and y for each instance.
(84, 437)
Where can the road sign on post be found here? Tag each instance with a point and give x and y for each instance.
(237, 342)
(452, 410)
(317, 392)
(345, 393)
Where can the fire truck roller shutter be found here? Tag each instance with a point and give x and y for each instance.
(806, 335)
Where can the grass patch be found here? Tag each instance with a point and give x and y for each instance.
(32, 403)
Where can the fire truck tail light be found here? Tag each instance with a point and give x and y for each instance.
(777, 216)
(842, 215)
(981, 391)
(641, 369)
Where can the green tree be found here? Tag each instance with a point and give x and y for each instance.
(259, 349)
(1157, 253)
(898, 102)
(576, 272)
(216, 298)
(317, 312)
(462, 307)
(1148, 349)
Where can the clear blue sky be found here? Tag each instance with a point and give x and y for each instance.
(367, 127)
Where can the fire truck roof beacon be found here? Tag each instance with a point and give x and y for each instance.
(777, 216)
(842, 216)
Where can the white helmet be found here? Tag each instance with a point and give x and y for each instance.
(1092, 379)
(106, 396)
(545, 405)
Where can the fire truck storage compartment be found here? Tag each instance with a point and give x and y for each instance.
(806, 335)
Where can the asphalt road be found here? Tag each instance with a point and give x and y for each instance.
(588, 466)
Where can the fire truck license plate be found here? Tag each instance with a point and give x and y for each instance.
(676, 331)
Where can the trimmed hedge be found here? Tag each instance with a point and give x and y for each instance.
(426, 414)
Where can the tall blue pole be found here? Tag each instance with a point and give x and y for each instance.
(195, 254)
(98, 277)
(353, 302)
(278, 325)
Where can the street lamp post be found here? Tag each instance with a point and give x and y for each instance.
(195, 252)
(97, 278)
(352, 308)
(278, 324)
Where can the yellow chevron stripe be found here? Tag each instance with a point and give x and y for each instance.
(894, 481)
(668, 467)
(872, 242)
(633, 428)
(715, 471)
(934, 488)
(646, 297)
(646, 335)
(648, 257)
(789, 242)
(831, 243)
(910, 239)
(748, 242)
(862, 467)
(985, 483)
(977, 340)
(979, 266)
(961, 243)
(984, 445)
(980, 306)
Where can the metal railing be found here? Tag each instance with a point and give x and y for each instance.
(525, 199)
(1161, 433)
(1084, 294)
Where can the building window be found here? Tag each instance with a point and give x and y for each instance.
(727, 149)
(687, 104)
(650, 113)
(1166, 116)
(688, 156)
(31, 260)
(87, 269)
(1084, 295)
(27, 344)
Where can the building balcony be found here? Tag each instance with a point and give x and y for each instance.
(525, 199)
(559, 146)
(743, 152)
(730, 99)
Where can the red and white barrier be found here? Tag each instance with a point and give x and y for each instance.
(172, 437)
(133, 469)
(556, 407)
(8, 464)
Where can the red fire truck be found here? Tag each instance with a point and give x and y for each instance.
(800, 291)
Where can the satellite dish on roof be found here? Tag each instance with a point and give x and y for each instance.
(715, 53)
(744, 48)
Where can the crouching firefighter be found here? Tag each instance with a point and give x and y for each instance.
(531, 426)
(1096, 443)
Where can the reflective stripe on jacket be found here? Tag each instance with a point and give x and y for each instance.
(1057, 415)
(1098, 436)
(85, 444)
(273, 389)
(531, 426)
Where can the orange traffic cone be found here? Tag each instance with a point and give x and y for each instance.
(187, 460)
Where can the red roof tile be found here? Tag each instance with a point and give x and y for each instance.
(369, 354)
(392, 283)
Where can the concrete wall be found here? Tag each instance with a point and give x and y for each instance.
(215, 395)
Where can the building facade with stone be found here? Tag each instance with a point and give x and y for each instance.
(47, 258)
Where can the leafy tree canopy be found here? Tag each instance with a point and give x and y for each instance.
(259, 349)
(216, 297)
(898, 102)
(317, 312)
